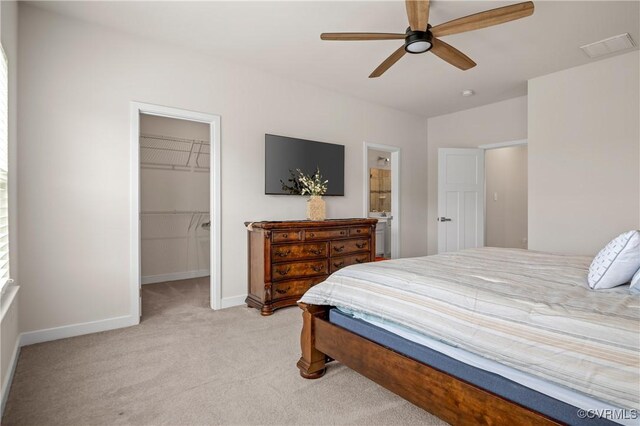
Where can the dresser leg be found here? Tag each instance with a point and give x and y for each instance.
(266, 311)
(312, 361)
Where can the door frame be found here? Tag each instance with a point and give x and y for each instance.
(395, 190)
(504, 144)
(135, 279)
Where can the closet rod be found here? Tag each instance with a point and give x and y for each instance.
(160, 166)
(176, 212)
(174, 139)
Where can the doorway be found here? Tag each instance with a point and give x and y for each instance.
(506, 223)
(175, 236)
(482, 196)
(382, 197)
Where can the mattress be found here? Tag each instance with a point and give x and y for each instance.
(553, 401)
(531, 312)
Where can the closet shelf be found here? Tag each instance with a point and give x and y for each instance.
(163, 152)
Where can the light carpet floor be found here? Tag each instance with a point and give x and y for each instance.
(188, 365)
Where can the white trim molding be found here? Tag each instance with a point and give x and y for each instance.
(230, 302)
(9, 293)
(135, 278)
(7, 301)
(504, 144)
(395, 191)
(72, 330)
(6, 384)
(174, 276)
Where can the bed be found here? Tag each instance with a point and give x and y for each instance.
(493, 336)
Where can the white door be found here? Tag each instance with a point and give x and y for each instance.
(460, 199)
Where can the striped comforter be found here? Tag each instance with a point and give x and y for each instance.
(529, 310)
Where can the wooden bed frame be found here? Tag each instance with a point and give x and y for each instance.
(449, 398)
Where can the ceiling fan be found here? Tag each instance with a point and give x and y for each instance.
(420, 37)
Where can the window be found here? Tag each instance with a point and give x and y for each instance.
(4, 160)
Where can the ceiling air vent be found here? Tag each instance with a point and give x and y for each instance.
(608, 45)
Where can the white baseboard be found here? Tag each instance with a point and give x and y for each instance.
(228, 302)
(175, 276)
(48, 334)
(6, 384)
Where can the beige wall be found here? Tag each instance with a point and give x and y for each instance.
(493, 123)
(584, 167)
(506, 197)
(76, 84)
(171, 246)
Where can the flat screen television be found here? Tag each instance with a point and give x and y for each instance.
(283, 155)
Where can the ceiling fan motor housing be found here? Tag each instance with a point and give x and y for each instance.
(418, 41)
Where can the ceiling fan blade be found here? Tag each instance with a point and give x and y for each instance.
(387, 63)
(452, 55)
(361, 36)
(484, 19)
(418, 14)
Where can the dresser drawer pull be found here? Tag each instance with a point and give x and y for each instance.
(361, 260)
(342, 232)
(283, 291)
(317, 252)
(317, 268)
(283, 271)
(312, 234)
(280, 253)
(339, 249)
(361, 245)
(285, 235)
(338, 264)
(358, 231)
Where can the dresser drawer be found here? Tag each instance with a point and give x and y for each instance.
(284, 271)
(340, 262)
(284, 253)
(296, 288)
(286, 236)
(325, 234)
(360, 230)
(342, 247)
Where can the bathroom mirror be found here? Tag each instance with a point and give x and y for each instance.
(380, 190)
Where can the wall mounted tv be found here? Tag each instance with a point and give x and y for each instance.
(283, 154)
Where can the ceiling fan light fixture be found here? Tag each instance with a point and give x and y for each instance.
(418, 42)
(421, 37)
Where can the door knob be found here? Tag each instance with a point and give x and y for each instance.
(444, 219)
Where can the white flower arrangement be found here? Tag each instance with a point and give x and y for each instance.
(302, 184)
(312, 185)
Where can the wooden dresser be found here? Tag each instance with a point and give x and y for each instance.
(287, 258)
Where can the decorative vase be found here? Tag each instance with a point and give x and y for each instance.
(316, 209)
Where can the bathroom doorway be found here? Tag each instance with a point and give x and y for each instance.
(381, 172)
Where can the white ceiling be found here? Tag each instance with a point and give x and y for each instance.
(284, 38)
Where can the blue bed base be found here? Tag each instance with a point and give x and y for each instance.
(501, 386)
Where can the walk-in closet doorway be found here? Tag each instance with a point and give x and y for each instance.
(175, 198)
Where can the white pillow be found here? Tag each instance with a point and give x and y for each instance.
(635, 283)
(617, 262)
